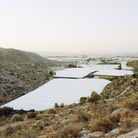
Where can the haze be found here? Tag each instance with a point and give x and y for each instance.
(69, 25)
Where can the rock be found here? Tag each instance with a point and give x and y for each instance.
(118, 111)
(132, 134)
(84, 132)
(93, 135)
(113, 132)
(56, 115)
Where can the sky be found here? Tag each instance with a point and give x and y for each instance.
(69, 25)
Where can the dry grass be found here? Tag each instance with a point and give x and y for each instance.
(70, 131)
(131, 103)
(103, 124)
(31, 115)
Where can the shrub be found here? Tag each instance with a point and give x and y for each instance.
(94, 97)
(56, 105)
(135, 75)
(126, 124)
(103, 124)
(62, 105)
(83, 100)
(51, 73)
(6, 111)
(52, 111)
(31, 115)
(39, 116)
(21, 111)
(38, 126)
(112, 107)
(83, 117)
(72, 66)
(10, 130)
(72, 131)
(16, 117)
(30, 135)
(127, 114)
(132, 104)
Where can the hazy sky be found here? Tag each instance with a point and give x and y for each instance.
(69, 25)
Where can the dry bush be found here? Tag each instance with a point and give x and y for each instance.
(31, 115)
(83, 116)
(71, 131)
(99, 111)
(52, 111)
(115, 120)
(10, 130)
(38, 126)
(16, 117)
(103, 124)
(30, 135)
(126, 124)
(127, 114)
(132, 103)
(111, 107)
(39, 116)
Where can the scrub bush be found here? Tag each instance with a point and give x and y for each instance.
(83, 100)
(31, 115)
(52, 111)
(94, 97)
(6, 111)
(16, 117)
(72, 131)
(132, 103)
(103, 124)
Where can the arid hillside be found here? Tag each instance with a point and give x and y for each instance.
(134, 65)
(113, 114)
(22, 72)
(122, 85)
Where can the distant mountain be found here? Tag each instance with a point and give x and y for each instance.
(21, 72)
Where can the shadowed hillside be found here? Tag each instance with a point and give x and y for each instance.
(22, 72)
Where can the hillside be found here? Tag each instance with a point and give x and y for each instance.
(122, 85)
(22, 72)
(114, 116)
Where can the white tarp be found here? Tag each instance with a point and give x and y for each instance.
(111, 72)
(59, 91)
(74, 72)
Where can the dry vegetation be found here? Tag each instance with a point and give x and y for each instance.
(126, 84)
(71, 121)
(77, 120)
(22, 72)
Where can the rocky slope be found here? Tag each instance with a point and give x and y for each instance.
(134, 65)
(22, 72)
(114, 116)
(121, 85)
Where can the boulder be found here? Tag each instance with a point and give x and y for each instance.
(132, 134)
(94, 134)
(118, 111)
(113, 132)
